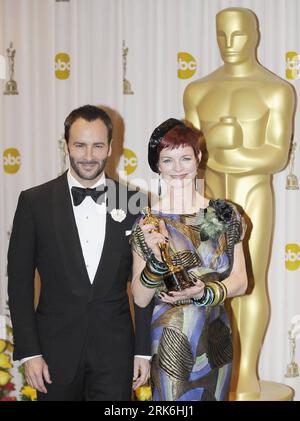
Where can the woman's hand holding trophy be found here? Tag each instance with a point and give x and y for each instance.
(177, 281)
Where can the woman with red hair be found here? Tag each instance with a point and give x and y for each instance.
(188, 255)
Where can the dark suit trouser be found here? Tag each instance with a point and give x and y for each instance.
(102, 375)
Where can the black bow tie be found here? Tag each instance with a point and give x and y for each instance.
(97, 194)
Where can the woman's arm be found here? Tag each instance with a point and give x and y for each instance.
(141, 294)
(237, 281)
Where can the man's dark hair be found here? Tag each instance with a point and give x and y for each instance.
(88, 113)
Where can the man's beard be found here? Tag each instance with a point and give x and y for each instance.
(92, 176)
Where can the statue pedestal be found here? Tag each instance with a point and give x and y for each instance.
(269, 391)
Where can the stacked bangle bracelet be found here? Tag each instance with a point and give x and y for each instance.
(153, 272)
(215, 293)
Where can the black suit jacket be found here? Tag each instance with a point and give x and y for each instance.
(45, 237)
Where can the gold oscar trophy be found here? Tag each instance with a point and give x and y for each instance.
(292, 369)
(291, 179)
(11, 87)
(246, 114)
(62, 155)
(126, 84)
(177, 278)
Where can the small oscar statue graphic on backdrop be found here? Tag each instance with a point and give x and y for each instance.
(291, 179)
(11, 87)
(292, 369)
(126, 84)
(62, 155)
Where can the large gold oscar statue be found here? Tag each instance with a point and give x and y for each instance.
(246, 114)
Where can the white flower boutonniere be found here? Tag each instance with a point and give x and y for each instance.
(118, 215)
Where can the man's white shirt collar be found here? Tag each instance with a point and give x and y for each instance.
(75, 183)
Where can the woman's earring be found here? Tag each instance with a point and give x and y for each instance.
(159, 186)
(196, 178)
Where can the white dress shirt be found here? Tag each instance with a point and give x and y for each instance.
(90, 219)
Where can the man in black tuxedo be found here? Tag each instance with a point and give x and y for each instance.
(79, 343)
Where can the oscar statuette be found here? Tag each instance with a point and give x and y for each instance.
(292, 369)
(291, 179)
(11, 87)
(126, 84)
(177, 278)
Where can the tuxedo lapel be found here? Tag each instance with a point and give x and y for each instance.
(68, 238)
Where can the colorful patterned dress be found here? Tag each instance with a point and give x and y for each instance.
(191, 345)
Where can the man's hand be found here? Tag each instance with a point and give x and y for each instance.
(36, 371)
(141, 371)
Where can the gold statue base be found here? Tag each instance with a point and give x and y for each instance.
(269, 391)
(11, 88)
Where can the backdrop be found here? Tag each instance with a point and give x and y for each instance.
(135, 57)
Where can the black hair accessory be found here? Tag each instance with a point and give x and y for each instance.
(156, 138)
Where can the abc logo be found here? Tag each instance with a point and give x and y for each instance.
(130, 161)
(187, 65)
(11, 160)
(62, 66)
(292, 65)
(292, 256)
